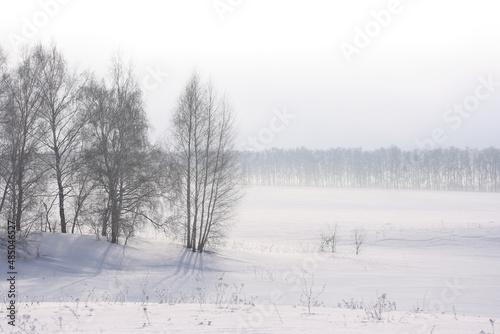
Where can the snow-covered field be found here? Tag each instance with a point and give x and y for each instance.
(431, 264)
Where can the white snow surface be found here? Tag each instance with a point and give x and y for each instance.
(431, 264)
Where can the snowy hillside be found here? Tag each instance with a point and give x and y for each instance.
(429, 264)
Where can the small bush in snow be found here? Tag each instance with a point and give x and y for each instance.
(352, 304)
(381, 306)
(329, 239)
(359, 237)
(309, 297)
(373, 311)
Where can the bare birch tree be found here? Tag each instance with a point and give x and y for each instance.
(5, 175)
(21, 135)
(60, 90)
(206, 163)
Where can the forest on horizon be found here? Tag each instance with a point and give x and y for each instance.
(448, 168)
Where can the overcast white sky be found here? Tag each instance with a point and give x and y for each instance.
(286, 56)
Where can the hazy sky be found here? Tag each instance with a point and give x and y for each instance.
(311, 73)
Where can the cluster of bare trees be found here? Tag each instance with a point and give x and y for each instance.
(392, 168)
(118, 154)
(75, 154)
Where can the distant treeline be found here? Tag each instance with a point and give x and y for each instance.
(391, 168)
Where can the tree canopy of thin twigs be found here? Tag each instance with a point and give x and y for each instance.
(206, 163)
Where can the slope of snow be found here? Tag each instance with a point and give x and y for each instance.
(430, 263)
